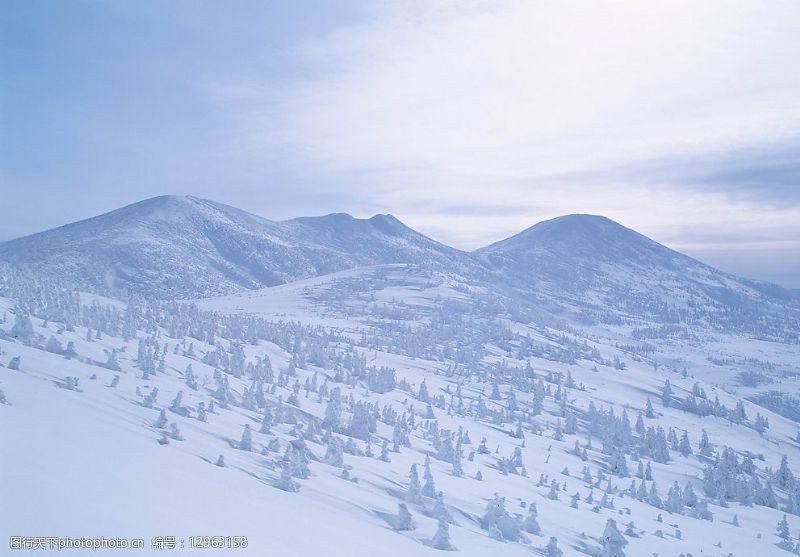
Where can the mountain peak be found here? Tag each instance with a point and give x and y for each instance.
(385, 217)
(344, 224)
(577, 254)
(161, 201)
(579, 224)
(161, 208)
(582, 219)
(577, 234)
(188, 247)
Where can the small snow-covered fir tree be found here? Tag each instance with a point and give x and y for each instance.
(552, 550)
(414, 491)
(161, 422)
(266, 421)
(496, 518)
(334, 454)
(191, 382)
(704, 446)
(674, 502)
(458, 470)
(285, 482)
(384, 452)
(782, 531)
(403, 520)
(174, 432)
(553, 493)
(531, 524)
(784, 478)
(618, 464)
(649, 412)
(684, 447)
(612, 541)
(440, 511)
(441, 539)
(176, 402)
(666, 393)
(429, 489)
(246, 442)
(689, 496)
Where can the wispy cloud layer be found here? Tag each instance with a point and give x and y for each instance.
(474, 120)
(469, 120)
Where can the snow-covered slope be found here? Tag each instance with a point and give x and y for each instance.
(184, 247)
(601, 270)
(348, 383)
(382, 239)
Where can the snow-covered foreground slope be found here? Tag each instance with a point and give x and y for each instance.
(350, 380)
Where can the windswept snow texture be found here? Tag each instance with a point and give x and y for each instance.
(575, 390)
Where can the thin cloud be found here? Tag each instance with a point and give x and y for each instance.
(473, 121)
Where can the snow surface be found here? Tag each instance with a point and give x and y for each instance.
(88, 463)
(576, 314)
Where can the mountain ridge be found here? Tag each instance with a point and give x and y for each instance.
(588, 267)
(187, 247)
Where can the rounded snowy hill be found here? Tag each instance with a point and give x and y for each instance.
(591, 263)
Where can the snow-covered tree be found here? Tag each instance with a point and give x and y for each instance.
(403, 520)
(429, 488)
(174, 432)
(552, 550)
(612, 541)
(161, 422)
(441, 539)
(782, 531)
(531, 524)
(439, 510)
(496, 518)
(334, 453)
(618, 464)
(414, 491)
(246, 442)
(684, 447)
(285, 482)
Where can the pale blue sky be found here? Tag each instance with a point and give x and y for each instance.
(467, 120)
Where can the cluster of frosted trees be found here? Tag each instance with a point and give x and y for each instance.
(513, 397)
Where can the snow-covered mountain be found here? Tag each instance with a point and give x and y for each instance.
(601, 270)
(575, 390)
(580, 267)
(185, 247)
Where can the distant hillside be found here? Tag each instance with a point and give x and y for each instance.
(186, 247)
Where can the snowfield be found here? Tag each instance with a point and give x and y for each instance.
(407, 409)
